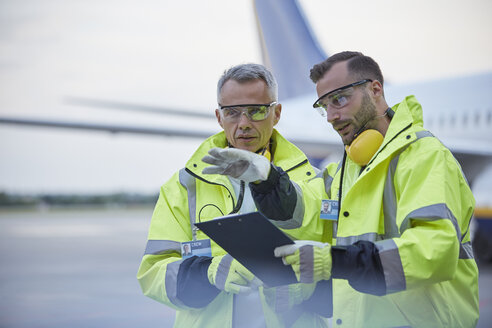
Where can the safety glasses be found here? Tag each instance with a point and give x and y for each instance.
(254, 112)
(337, 98)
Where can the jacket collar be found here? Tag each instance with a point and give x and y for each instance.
(408, 112)
(408, 115)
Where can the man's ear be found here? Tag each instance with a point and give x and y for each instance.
(377, 89)
(219, 118)
(277, 113)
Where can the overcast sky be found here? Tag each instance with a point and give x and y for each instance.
(171, 53)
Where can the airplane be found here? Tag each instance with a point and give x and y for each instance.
(456, 110)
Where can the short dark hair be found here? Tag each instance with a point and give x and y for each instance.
(359, 66)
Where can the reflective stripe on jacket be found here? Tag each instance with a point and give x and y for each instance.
(413, 202)
(189, 197)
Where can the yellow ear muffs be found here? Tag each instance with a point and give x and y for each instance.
(364, 146)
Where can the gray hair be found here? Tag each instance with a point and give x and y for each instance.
(249, 72)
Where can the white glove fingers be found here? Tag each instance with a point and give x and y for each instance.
(212, 170)
(285, 250)
(216, 152)
(301, 243)
(211, 160)
(235, 154)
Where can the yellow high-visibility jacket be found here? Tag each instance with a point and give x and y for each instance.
(189, 197)
(413, 202)
(402, 255)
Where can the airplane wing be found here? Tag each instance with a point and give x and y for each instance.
(118, 105)
(113, 128)
(119, 128)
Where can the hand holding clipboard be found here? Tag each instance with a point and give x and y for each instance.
(251, 238)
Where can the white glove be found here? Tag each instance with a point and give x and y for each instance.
(229, 275)
(237, 163)
(310, 260)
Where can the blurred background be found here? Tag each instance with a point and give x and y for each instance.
(71, 245)
(171, 54)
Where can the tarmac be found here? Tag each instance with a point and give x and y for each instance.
(78, 269)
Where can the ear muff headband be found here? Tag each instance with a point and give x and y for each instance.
(364, 146)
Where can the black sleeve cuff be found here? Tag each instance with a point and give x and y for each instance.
(193, 287)
(361, 266)
(270, 183)
(275, 198)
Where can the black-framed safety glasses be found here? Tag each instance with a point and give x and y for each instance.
(337, 98)
(254, 112)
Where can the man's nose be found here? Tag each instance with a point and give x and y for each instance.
(244, 121)
(332, 114)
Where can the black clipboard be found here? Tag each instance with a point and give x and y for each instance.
(251, 238)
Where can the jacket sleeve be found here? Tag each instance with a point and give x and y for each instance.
(360, 265)
(193, 287)
(163, 275)
(280, 198)
(432, 209)
(277, 197)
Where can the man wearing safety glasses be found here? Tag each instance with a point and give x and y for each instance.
(401, 254)
(209, 288)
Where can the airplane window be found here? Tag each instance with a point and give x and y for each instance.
(477, 117)
(452, 120)
(489, 117)
(441, 120)
(465, 118)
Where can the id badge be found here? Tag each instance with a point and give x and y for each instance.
(329, 210)
(196, 247)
